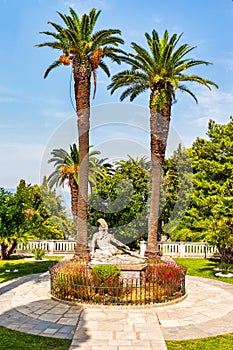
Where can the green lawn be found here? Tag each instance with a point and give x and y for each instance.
(221, 342)
(24, 266)
(13, 340)
(203, 268)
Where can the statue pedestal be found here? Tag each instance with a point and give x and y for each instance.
(132, 267)
(132, 271)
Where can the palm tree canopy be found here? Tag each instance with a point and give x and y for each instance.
(161, 69)
(66, 165)
(142, 162)
(78, 39)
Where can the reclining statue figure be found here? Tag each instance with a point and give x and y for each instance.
(106, 244)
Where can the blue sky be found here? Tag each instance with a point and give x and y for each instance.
(33, 111)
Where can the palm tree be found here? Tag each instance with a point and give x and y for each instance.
(141, 162)
(85, 49)
(98, 168)
(67, 168)
(161, 69)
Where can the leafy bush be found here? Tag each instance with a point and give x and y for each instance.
(105, 279)
(104, 275)
(225, 268)
(165, 272)
(38, 253)
(69, 279)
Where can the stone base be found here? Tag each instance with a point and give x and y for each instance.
(119, 259)
(132, 271)
(131, 267)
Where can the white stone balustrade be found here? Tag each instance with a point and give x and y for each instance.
(187, 249)
(50, 246)
(172, 249)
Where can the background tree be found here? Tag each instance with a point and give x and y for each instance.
(212, 161)
(48, 217)
(85, 49)
(12, 223)
(121, 198)
(220, 230)
(176, 192)
(162, 69)
(67, 167)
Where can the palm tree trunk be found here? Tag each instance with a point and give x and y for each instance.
(159, 127)
(82, 75)
(74, 200)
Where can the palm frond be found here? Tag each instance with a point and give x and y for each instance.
(138, 89)
(54, 45)
(55, 35)
(75, 17)
(161, 68)
(143, 55)
(183, 88)
(52, 66)
(57, 27)
(195, 78)
(104, 67)
(93, 14)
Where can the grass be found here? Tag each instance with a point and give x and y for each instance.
(19, 266)
(221, 342)
(202, 268)
(14, 340)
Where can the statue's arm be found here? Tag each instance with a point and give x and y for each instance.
(118, 243)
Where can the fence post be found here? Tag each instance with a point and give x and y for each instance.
(51, 246)
(182, 249)
(143, 246)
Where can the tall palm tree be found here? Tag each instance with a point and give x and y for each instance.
(85, 50)
(67, 168)
(161, 69)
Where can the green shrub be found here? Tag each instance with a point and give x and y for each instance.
(38, 253)
(106, 281)
(74, 280)
(225, 268)
(105, 275)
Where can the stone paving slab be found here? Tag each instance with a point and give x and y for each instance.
(117, 328)
(26, 307)
(206, 312)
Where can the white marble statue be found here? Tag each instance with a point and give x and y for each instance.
(105, 244)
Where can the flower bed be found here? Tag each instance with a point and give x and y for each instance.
(161, 281)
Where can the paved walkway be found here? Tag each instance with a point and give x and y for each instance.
(207, 311)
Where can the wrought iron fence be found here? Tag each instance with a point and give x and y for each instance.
(120, 291)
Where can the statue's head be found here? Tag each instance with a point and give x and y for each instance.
(103, 225)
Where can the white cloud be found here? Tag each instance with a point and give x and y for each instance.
(213, 104)
(200, 122)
